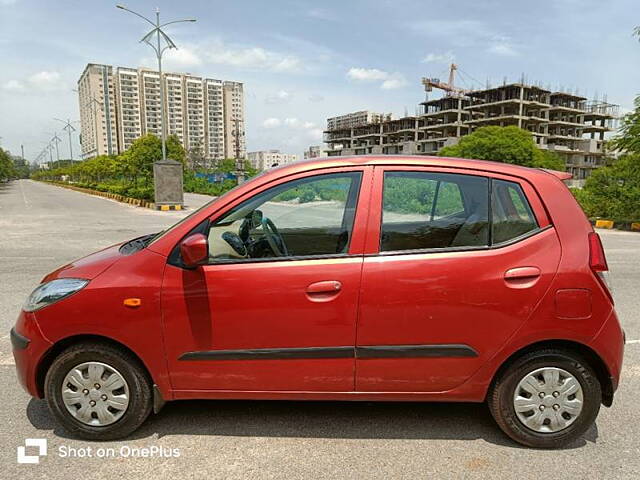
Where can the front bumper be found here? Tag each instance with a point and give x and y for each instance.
(29, 346)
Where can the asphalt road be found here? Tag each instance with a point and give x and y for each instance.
(42, 227)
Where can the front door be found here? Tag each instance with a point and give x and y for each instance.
(275, 308)
(460, 262)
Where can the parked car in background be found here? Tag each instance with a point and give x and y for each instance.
(365, 278)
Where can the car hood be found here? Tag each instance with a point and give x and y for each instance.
(88, 267)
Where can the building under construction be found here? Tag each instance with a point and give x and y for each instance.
(565, 123)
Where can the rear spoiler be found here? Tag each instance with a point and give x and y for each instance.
(558, 174)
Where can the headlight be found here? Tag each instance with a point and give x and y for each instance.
(50, 292)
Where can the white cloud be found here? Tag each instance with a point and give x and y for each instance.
(183, 57)
(322, 14)
(13, 85)
(446, 57)
(464, 33)
(503, 46)
(254, 58)
(388, 80)
(316, 98)
(271, 123)
(45, 80)
(292, 122)
(281, 96)
(309, 130)
(7, 2)
(367, 74)
(41, 81)
(395, 80)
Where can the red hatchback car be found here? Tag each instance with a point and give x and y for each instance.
(366, 278)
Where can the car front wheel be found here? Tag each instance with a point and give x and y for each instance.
(98, 391)
(546, 399)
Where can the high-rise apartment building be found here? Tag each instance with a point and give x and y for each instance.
(234, 119)
(96, 90)
(119, 105)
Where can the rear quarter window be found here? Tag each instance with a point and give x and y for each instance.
(511, 213)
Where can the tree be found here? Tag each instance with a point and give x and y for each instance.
(503, 144)
(614, 191)
(628, 138)
(139, 158)
(7, 168)
(195, 157)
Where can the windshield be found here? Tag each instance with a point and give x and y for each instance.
(177, 224)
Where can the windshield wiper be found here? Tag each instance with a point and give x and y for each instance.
(137, 243)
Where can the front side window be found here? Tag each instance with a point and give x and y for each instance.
(423, 210)
(305, 217)
(510, 212)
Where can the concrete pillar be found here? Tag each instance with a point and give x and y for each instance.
(520, 107)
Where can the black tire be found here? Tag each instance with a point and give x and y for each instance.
(500, 398)
(137, 378)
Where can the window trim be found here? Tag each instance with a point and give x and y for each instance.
(435, 198)
(496, 246)
(536, 206)
(175, 259)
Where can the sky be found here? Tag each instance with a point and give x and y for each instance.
(304, 61)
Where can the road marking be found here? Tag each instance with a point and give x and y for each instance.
(633, 342)
(24, 197)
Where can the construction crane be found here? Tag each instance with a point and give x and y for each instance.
(449, 87)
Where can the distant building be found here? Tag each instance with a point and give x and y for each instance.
(119, 105)
(265, 159)
(565, 123)
(356, 119)
(314, 151)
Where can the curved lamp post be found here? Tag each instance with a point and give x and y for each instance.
(154, 39)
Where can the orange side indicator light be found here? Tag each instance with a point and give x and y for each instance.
(132, 302)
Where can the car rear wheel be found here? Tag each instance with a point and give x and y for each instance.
(98, 391)
(546, 399)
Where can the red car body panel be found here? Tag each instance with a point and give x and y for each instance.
(463, 298)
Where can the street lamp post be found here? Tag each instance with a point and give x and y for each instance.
(159, 50)
(56, 140)
(70, 129)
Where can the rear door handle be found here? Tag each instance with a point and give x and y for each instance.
(328, 286)
(521, 273)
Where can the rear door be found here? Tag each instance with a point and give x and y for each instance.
(456, 262)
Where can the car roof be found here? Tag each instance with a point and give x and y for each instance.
(411, 160)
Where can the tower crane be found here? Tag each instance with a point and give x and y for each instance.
(449, 87)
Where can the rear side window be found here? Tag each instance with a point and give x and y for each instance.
(511, 214)
(423, 210)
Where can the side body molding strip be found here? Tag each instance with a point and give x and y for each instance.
(363, 352)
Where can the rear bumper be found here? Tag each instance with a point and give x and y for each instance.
(609, 344)
(29, 346)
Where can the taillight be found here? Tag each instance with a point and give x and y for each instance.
(598, 262)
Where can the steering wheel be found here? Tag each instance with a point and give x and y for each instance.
(274, 239)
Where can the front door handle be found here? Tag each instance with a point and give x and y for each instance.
(326, 287)
(522, 277)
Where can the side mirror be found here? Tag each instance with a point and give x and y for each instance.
(194, 250)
